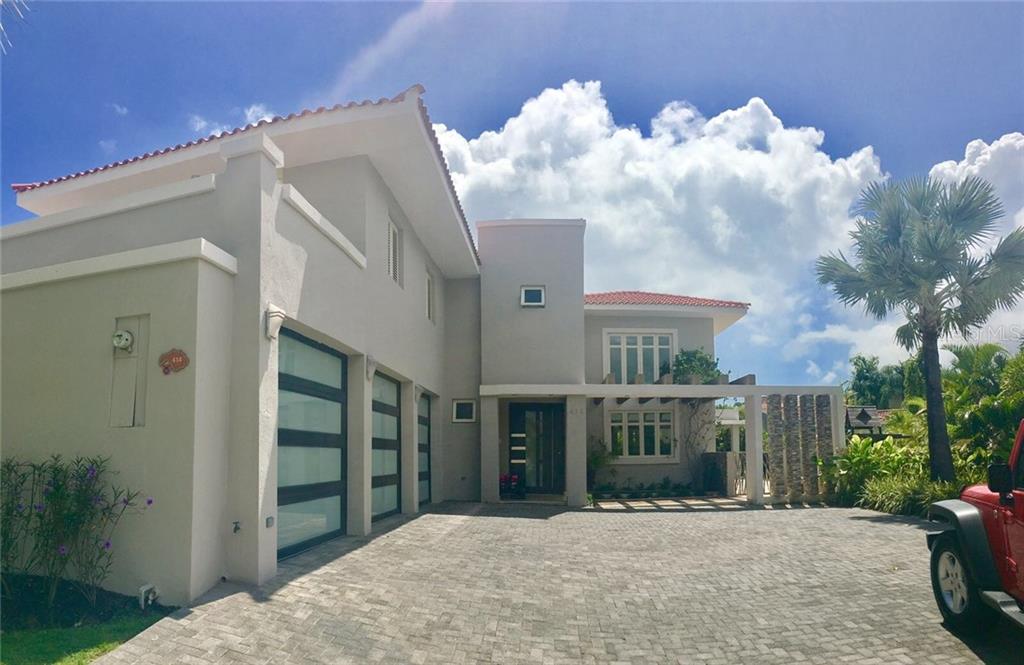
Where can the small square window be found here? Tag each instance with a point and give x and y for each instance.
(531, 296)
(463, 410)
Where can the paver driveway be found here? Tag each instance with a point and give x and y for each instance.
(473, 583)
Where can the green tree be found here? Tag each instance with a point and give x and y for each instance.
(918, 251)
(874, 385)
(913, 377)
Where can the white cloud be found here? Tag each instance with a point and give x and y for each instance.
(735, 206)
(1002, 164)
(399, 37)
(108, 146)
(257, 112)
(201, 125)
(119, 109)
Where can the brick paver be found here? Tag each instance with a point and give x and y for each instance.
(536, 584)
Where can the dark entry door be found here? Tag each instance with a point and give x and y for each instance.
(537, 445)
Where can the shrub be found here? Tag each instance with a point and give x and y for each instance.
(905, 495)
(59, 517)
(693, 365)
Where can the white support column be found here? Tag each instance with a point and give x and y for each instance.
(576, 451)
(437, 450)
(360, 452)
(408, 460)
(490, 446)
(734, 438)
(755, 450)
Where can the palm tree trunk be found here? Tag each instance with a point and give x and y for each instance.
(939, 454)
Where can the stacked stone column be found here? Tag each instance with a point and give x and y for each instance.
(808, 448)
(799, 435)
(823, 413)
(776, 447)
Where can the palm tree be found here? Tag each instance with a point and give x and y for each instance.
(918, 247)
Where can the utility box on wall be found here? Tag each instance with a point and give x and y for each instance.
(130, 341)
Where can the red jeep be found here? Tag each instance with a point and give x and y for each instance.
(978, 548)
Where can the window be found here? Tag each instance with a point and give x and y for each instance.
(423, 447)
(311, 443)
(641, 433)
(531, 296)
(385, 495)
(394, 251)
(430, 297)
(644, 353)
(463, 411)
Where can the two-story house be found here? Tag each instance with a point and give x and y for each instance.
(287, 332)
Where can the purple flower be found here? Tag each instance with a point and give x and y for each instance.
(96, 499)
(62, 550)
(125, 501)
(39, 507)
(90, 473)
(20, 507)
(149, 501)
(106, 545)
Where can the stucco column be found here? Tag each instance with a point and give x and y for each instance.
(490, 445)
(437, 455)
(576, 451)
(734, 438)
(755, 450)
(360, 452)
(408, 459)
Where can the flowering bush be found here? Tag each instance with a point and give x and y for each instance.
(59, 517)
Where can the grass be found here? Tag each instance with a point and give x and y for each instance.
(71, 646)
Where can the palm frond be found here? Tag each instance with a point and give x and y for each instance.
(971, 209)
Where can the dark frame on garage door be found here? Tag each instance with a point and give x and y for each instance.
(386, 495)
(312, 437)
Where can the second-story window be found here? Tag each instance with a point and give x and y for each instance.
(531, 296)
(639, 357)
(394, 251)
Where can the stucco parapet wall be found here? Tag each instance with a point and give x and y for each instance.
(612, 390)
(321, 223)
(132, 201)
(507, 223)
(193, 249)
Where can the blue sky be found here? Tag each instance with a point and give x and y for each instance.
(87, 83)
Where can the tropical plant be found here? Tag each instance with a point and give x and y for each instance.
(696, 365)
(918, 251)
(872, 384)
(59, 517)
(990, 420)
(599, 457)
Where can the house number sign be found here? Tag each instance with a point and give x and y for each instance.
(174, 360)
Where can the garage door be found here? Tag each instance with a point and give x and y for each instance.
(311, 438)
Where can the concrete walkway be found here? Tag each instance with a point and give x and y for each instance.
(537, 584)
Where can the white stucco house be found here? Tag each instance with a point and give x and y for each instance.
(352, 350)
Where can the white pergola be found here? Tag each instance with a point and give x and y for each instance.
(577, 394)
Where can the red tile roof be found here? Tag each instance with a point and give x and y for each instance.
(648, 298)
(417, 88)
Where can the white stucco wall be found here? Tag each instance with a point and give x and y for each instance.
(690, 333)
(57, 374)
(530, 345)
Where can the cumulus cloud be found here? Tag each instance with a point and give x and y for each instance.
(734, 206)
(737, 205)
(119, 109)
(108, 146)
(201, 125)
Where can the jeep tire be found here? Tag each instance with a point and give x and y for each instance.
(956, 592)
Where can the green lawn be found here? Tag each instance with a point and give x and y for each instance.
(70, 646)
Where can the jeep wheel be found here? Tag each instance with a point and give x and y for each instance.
(955, 591)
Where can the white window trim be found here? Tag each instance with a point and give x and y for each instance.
(394, 251)
(673, 348)
(643, 459)
(543, 295)
(431, 304)
(455, 403)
